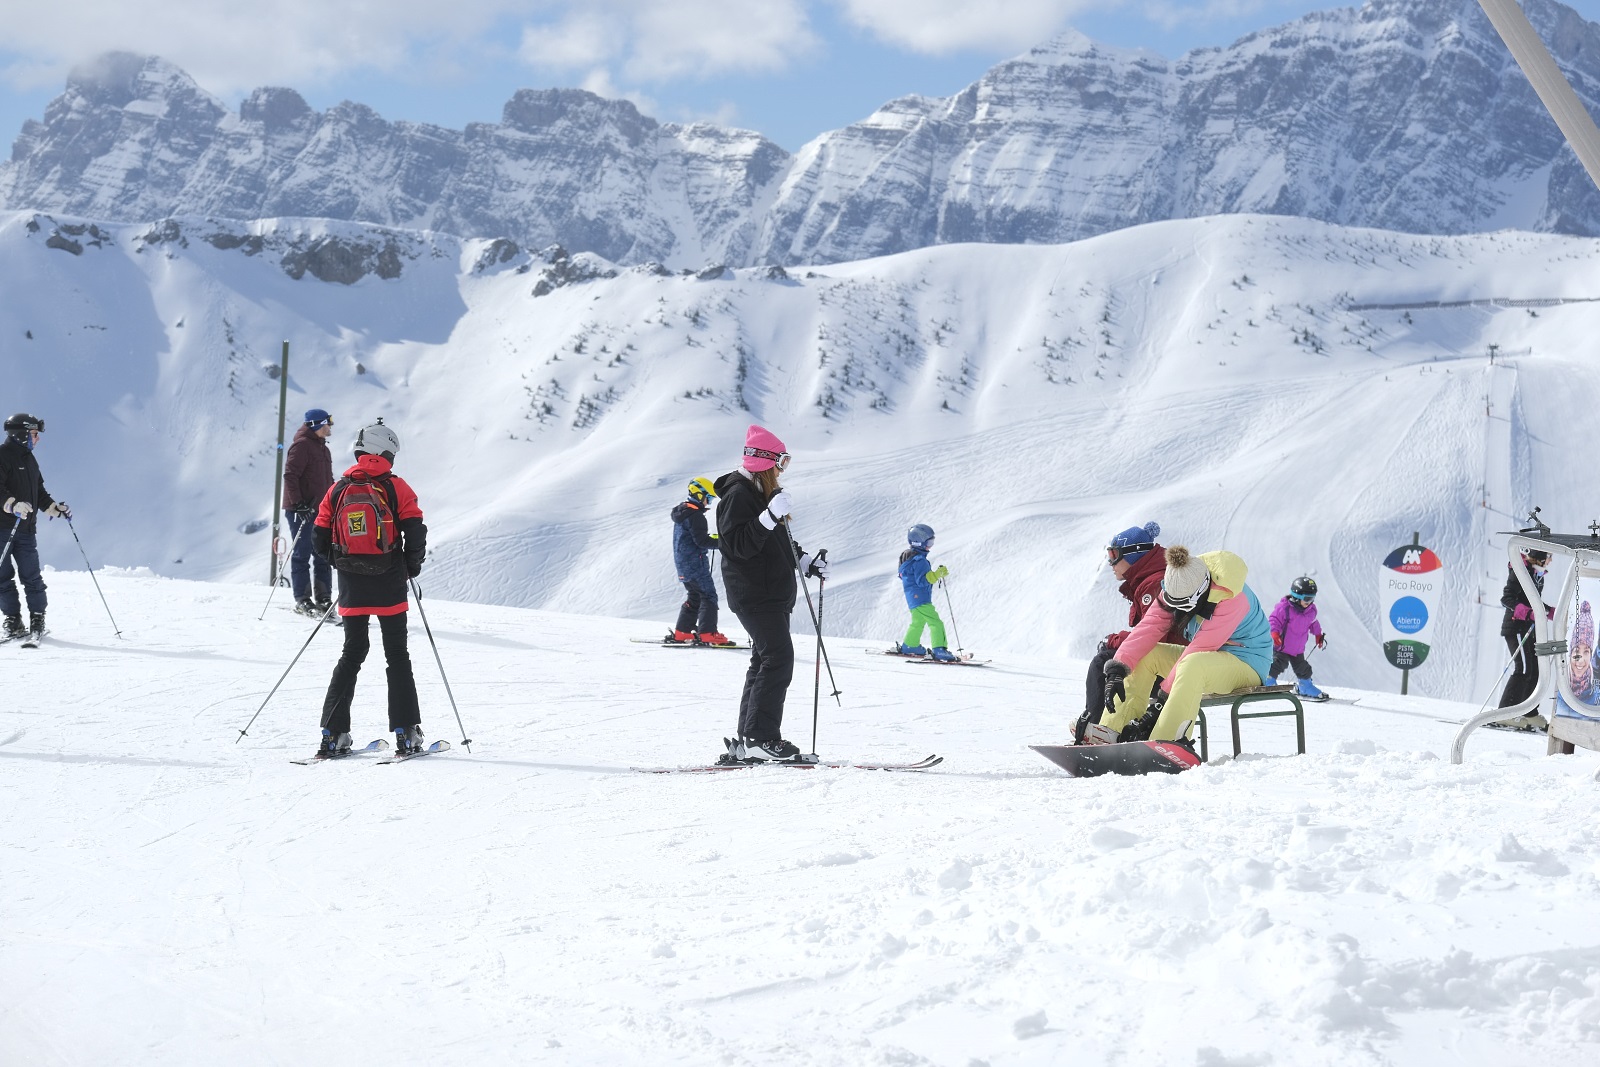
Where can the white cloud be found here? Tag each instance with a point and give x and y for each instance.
(938, 27)
(243, 45)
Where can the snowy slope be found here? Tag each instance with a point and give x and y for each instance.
(168, 896)
(1025, 401)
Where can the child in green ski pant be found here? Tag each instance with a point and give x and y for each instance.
(918, 577)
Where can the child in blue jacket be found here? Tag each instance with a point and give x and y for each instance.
(918, 576)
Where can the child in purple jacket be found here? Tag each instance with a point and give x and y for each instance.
(1292, 622)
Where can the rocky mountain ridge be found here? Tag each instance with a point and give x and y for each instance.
(1406, 115)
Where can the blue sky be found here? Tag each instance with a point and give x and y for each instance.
(789, 68)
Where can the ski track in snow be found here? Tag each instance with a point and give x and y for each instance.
(169, 896)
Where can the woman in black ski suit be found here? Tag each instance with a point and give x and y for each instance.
(1517, 629)
(758, 571)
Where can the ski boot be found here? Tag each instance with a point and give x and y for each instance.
(712, 638)
(408, 740)
(36, 625)
(334, 745)
(910, 650)
(1272, 680)
(1139, 729)
(1531, 723)
(14, 628)
(944, 655)
(304, 606)
(768, 751)
(1304, 688)
(678, 637)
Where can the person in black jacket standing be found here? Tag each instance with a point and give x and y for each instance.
(758, 571)
(1517, 629)
(22, 497)
(307, 474)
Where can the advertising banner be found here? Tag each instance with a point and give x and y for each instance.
(1410, 583)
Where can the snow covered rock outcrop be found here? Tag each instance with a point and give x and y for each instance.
(134, 138)
(1402, 114)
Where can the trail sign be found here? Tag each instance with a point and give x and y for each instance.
(1410, 582)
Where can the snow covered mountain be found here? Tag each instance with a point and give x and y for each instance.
(1402, 114)
(1216, 375)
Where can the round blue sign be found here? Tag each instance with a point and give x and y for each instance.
(1408, 615)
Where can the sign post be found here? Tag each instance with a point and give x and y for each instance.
(277, 477)
(1409, 584)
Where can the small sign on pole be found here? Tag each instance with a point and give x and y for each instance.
(1409, 583)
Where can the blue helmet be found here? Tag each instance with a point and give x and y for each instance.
(1131, 544)
(920, 535)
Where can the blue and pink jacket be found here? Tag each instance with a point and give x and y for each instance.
(1233, 622)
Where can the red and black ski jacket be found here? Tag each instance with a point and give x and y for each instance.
(1140, 587)
(385, 593)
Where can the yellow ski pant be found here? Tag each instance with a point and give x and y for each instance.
(1199, 673)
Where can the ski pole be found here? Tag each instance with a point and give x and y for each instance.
(92, 578)
(795, 554)
(286, 671)
(295, 541)
(12, 536)
(816, 678)
(942, 585)
(1497, 683)
(465, 742)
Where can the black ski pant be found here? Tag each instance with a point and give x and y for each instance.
(1095, 684)
(22, 561)
(1524, 669)
(766, 683)
(1281, 661)
(699, 609)
(403, 709)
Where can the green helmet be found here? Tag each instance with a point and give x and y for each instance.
(701, 490)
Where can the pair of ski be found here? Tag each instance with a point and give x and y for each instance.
(963, 660)
(29, 640)
(709, 768)
(685, 644)
(379, 745)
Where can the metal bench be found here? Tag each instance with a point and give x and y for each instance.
(1238, 698)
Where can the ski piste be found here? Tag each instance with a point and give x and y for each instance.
(1124, 757)
(687, 644)
(437, 746)
(375, 746)
(859, 765)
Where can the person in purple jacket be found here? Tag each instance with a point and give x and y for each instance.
(1293, 621)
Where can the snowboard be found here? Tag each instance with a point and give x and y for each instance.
(1127, 757)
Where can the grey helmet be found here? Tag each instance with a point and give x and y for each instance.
(378, 440)
(920, 535)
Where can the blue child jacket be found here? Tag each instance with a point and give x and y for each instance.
(914, 568)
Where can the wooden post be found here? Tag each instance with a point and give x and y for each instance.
(277, 477)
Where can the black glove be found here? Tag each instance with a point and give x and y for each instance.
(302, 509)
(1116, 672)
(413, 567)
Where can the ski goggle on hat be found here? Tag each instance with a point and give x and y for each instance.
(779, 459)
(1187, 603)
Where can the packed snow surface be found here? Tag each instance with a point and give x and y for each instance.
(170, 896)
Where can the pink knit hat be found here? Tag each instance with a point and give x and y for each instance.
(762, 449)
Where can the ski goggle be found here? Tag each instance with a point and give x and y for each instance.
(1188, 603)
(1114, 553)
(779, 458)
(1302, 600)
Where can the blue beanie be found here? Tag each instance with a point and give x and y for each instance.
(1137, 535)
(316, 418)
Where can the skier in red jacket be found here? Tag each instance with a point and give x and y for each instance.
(373, 583)
(1139, 561)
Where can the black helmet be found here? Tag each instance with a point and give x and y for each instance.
(22, 423)
(1303, 589)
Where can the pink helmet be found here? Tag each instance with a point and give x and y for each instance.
(763, 450)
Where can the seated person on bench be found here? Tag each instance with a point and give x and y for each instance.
(1230, 647)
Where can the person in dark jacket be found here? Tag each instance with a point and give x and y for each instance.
(758, 570)
(1516, 626)
(22, 497)
(692, 543)
(1138, 561)
(307, 474)
(369, 586)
